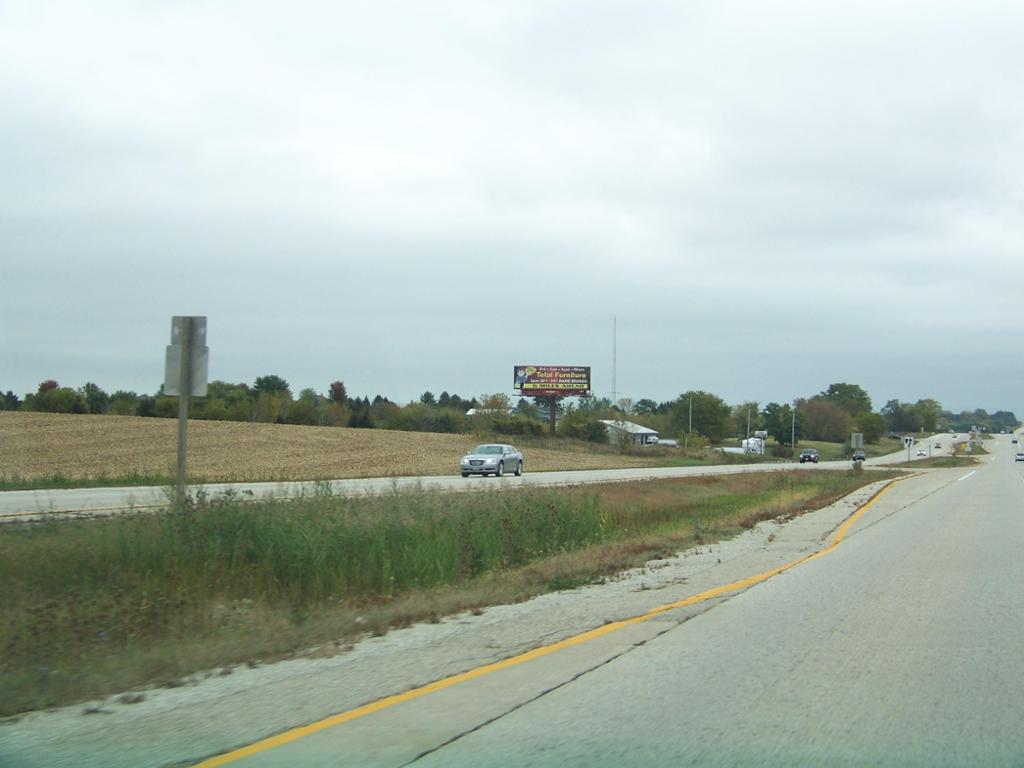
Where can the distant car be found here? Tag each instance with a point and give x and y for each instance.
(938, 445)
(668, 443)
(1013, 440)
(808, 454)
(492, 459)
(858, 455)
(921, 453)
(1019, 456)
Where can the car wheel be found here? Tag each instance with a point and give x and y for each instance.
(465, 474)
(501, 469)
(519, 469)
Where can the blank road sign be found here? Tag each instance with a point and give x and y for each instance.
(199, 357)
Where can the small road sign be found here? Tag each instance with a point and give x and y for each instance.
(188, 345)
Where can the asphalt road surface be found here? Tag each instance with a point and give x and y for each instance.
(902, 646)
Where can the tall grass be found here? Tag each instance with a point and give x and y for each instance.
(80, 591)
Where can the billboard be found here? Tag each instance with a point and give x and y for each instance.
(552, 379)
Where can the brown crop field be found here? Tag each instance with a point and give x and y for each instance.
(80, 447)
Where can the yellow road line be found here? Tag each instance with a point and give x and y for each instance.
(367, 709)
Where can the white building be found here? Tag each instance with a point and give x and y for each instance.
(626, 432)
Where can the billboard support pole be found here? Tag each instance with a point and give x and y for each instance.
(553, 405)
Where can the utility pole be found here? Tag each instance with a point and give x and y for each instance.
(792, 437)
(748, 422)
(615, 392)
(689, 426)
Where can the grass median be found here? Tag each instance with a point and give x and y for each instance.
(95, 607)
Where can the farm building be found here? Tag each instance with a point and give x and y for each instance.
(620, 432)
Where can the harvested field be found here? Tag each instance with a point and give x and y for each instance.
(37, 445)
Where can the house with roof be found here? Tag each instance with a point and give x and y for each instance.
(628, 433)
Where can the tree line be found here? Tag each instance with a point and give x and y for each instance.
(699, 416)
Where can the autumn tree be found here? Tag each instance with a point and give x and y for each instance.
(825, 420)
(337, 393)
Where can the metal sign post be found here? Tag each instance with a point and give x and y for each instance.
(185, 375)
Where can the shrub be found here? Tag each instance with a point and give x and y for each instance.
(516, 425)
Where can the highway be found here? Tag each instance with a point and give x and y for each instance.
(882, 631)
(25, 505)
(900, 647)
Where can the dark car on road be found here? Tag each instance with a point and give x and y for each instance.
(808, 454)
(858, 455)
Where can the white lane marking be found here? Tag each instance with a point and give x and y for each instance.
(967, 475)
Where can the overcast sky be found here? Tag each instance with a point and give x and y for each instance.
(768, 196)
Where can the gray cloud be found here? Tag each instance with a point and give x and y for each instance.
(768, 197)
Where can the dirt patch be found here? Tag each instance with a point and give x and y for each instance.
(34, 445)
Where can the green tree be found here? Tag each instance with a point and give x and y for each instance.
(225, 401)
(271, 384)
(928, 413)
(9, 401)
(778, 421)
(744, 415)
(306, 409)
(96, 399)
(165, 407)
(999, 420)
(337, 414)
(850, 397)
(427, 398)
(53, 398)
(124, 403)
(382, 409)
(211, 409)
(527, 409)
(360, 413)
(901, 417)
(711, 417)
(644, 406)
(581, 423)
(871, 425)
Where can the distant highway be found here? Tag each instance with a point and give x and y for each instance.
(27, 505)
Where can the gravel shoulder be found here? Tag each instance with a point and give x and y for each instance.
(218, 711)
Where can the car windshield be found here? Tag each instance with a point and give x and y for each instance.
(486, 449)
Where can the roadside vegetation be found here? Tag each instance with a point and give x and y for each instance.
(941, 462)
(96, 607)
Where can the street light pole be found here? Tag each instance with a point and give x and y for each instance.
(792, 435)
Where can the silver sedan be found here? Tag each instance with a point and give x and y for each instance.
(492, 459)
